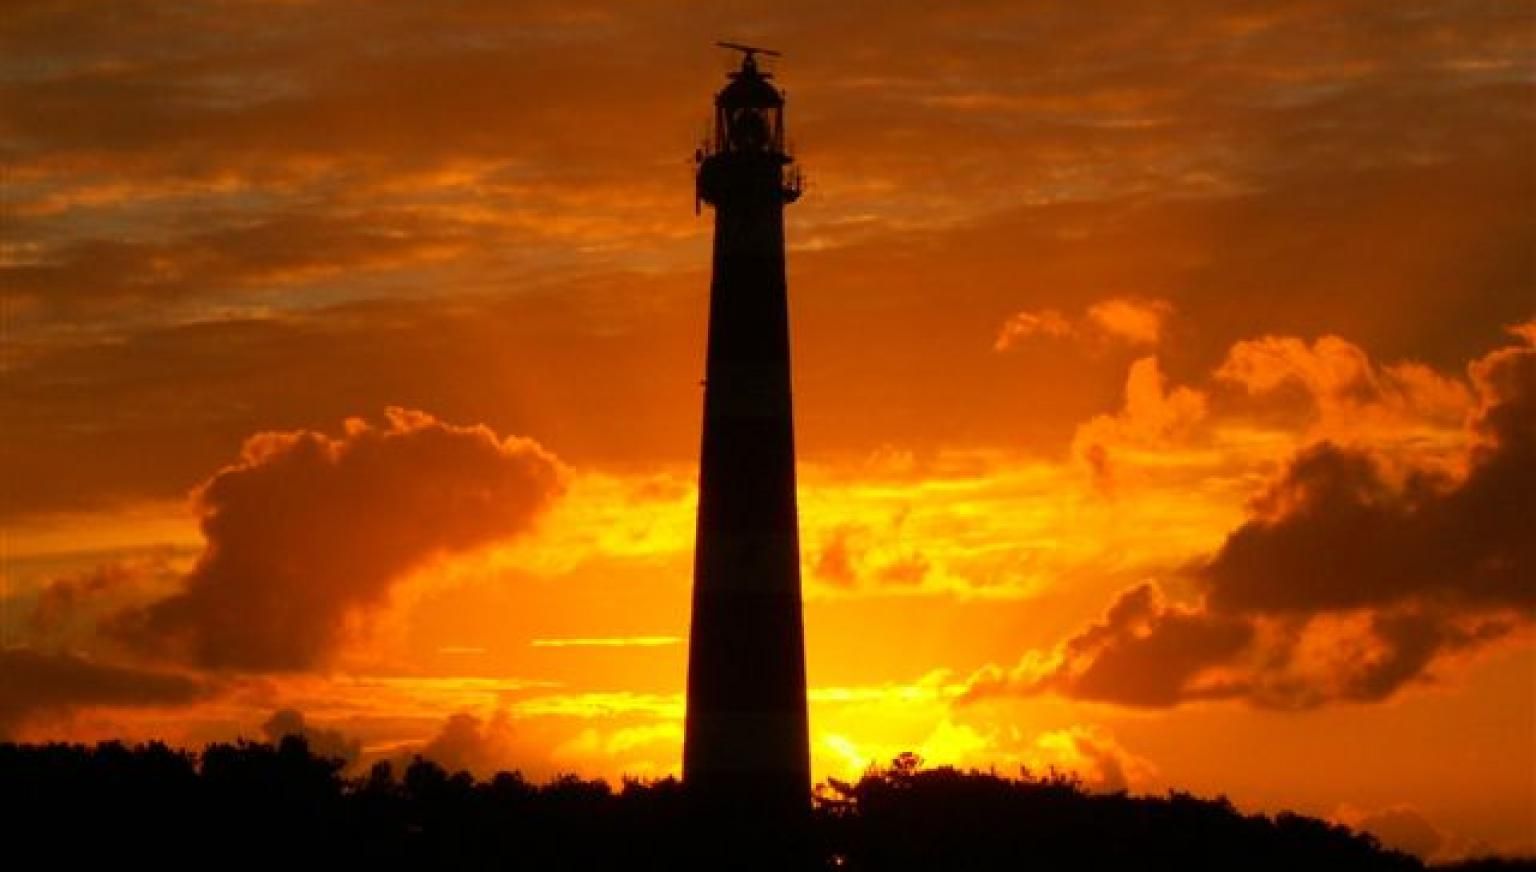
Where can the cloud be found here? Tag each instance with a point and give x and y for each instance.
(51, 684)
(1133, 321)
(645, 749)
(905, 570)
(307, 531)
(1137, 322)
(1149, 653)
(1399, 827)
(1348, 396)
(469, 743)
(322, 741)
(1089, 751)
(159, 180)
(1094, 754)
(1143, 652)
(1348, 581)
(60, 603)
(1337, 531)
(1154, 417)
(835, 561)
(1025, 325)
(288, 249)
(105, 421)
(852, 554)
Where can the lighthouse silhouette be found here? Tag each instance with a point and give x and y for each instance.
(746, 755)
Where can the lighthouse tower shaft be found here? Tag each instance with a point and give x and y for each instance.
(746, 746)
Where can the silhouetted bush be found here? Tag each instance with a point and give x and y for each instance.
(249, 804)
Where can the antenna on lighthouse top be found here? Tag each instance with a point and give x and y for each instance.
(748, 49)
(749, 53)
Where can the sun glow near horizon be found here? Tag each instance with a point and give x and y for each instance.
(1173, 436)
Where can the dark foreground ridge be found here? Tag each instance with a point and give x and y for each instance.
(251, 804)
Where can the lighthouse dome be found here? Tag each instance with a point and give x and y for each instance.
(749, 89)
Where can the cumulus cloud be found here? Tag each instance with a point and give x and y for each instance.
(323, 741)
(1349, 580)
(51, 684)
(1336, 531)
(307, 531)
(1154, 416)
(1131, 320)
(472, 744)
(1348, 395)
(1399, 827)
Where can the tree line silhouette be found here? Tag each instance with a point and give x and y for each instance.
(248, 804)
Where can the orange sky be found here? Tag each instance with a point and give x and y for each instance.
(1165, 387)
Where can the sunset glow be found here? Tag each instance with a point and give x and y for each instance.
(1165, 387)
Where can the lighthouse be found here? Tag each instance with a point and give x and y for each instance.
(746, 751)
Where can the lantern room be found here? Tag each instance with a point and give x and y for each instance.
(744, 158)
(749, 112)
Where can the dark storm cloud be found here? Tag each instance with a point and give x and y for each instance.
(307, 530)
(1347, 583)
(50, 684)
